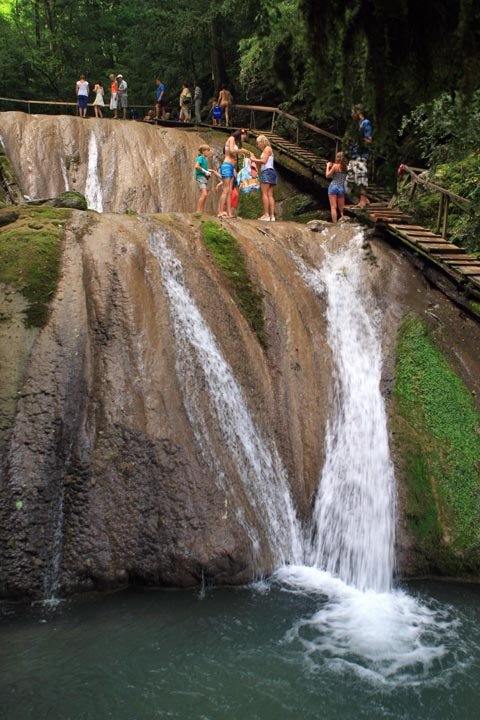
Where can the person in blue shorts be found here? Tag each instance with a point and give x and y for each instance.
(233, 147)
(268, 178)
(357, 167)
(336, 190)
(82, 90)
(160, 103)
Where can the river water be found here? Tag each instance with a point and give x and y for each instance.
(261, 653)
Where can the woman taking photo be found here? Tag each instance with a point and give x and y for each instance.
(268, 178)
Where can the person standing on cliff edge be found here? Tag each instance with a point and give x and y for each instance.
(82, 90)
(160, 102)
(357, 167)
(122, 95)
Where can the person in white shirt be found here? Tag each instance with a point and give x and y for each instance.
(83, 89)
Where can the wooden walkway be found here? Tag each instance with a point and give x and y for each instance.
(452, 260)
(311, 162)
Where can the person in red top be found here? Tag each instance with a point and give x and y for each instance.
(113, 95)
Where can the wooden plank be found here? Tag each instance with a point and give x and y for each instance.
(424, 236)
(416, 227)
(467, 270)
(454, 256)
(443, 247)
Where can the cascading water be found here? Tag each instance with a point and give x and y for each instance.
(255, 459)
(63, 168)
(382, 635)
(93, 188)
(354, 516)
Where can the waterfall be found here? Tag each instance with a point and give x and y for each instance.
(93, 189)
(63, 168)
(202, 367)
(52, 580)
(354, 515)
(362, 625)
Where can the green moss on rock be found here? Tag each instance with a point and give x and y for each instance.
(70, 199)
(30, 252)
(437, 430)
(230, 260)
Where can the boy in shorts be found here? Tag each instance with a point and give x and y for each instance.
(202, 175)
(357, 167)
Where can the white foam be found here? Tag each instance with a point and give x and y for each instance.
(389, 638)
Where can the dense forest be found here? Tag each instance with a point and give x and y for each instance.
(414, 65)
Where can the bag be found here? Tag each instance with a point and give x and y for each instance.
(187, 100)
(247, 178)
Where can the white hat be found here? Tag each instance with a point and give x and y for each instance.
(120, 76)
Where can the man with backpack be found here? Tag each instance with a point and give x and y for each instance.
(185, 103)
(357, 167)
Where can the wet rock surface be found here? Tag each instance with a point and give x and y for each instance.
(103, 481)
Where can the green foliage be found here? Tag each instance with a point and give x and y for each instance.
(230, 260)
(461, 176)
(438, 433)
(446, 128)
(30, 252)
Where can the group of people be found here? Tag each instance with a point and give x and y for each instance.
(189, 99)
(190, 102)
(355, 172)
(118, 96)
(227, 175)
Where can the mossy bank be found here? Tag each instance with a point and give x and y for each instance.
(231, 262)
(436, 430)
(30, 253)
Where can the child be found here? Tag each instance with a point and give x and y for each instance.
(216, 113)
(202, 174)
(336, 190)
(234, 199)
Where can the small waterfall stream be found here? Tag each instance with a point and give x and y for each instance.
(201, 365)
(93, 188)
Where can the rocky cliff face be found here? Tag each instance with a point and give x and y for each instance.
(103, 479)
(116, 465)
(117, 165)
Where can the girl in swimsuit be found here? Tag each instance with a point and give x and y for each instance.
(233, 147)
(336, 190)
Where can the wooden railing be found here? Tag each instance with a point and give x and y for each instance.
(298, 122)
(58, 103)
(446, 196)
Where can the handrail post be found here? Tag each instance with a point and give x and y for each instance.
(28, 105)
(273, 121)
(445, 216)
(440, 213)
